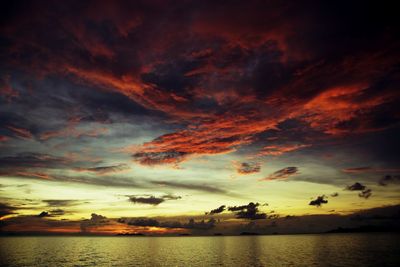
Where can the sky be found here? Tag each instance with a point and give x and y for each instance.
(198, 117)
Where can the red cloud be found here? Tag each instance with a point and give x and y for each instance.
(20, 132)
(277, 150)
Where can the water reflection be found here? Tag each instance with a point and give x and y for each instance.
(298, 250)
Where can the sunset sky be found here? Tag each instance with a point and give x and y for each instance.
(168, 117)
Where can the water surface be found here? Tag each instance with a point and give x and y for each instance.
(282, 250)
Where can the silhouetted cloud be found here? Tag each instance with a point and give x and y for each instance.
(336, 194)
(365, 192)
(191, 224)
(356, 187)
(151, 200)
(51, 213)
(318, 201)
(44, 214)
(95, 220)
(248, 167)
(249, 211)
(217, 210)
(388, 179)
(6, 209)
(281, 174)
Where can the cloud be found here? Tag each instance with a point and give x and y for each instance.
(220, 209)
(356, 187)
(248, 167)
(277, 150)
(388, 179)
(191, 224)
(191, 186)
(6, 209)
(106, 169)
(152, 200)
(210, 75)
(249, 211)
(336, 194)
(33, 160)
(95, 220)
(370, 170)
(318, 201)
(62, 202)
(109, 181)
(44, 214)
(365, 192)
(281, 174)
(20, 132)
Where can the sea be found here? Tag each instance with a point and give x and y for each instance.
(358, 249)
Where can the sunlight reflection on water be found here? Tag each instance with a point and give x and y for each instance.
(283, 250)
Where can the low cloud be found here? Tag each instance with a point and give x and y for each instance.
(95, 220)
(365, 192)
(151, 200)
(356, 187)
(282, 174)
(191, 224)
(217, 210)
(249, 211)
(51, 213)
(389, 179)
(248, 167)
(318, 201)
(6, 209)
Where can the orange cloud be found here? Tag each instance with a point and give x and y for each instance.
(277, 150)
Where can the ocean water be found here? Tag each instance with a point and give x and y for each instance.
(373, 249)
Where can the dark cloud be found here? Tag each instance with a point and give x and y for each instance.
(44, 214)
(217, 210)
(6, 209)
(95, 220)
(108, 181)
(282, 174)
(152, 200)
(106, 169)
(356, 187)
(33, 160)
(248, 167)
(62, 202)
(191, 186)
(51, 213)
(318, 201)
(249, 211)
(191, 224)
(365, 192)
(336, 194)
(388, 179)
